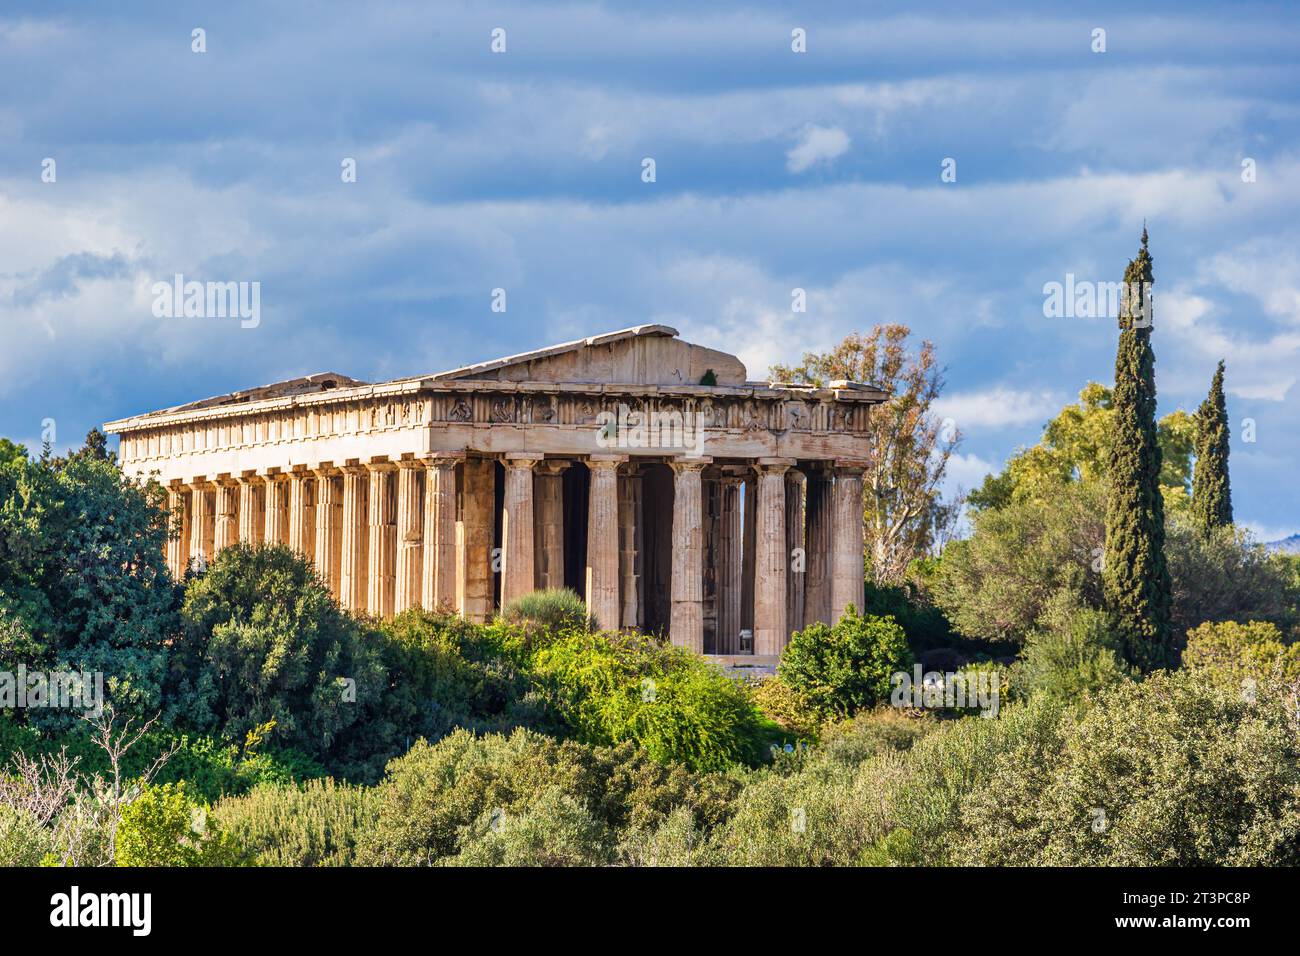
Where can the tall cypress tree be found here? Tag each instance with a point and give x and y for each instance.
(1136, 577)
(1211, 492)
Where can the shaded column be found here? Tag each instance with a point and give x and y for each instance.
(602, 540)
(548, 532)
(275, 506)
(302, 520)
(771, 559)
(328, 551)
(730, 565)
(381, 570)
(477, 496)
(226, 530)
(178, 531)
(353, 548)
(251, 520)
(410, 536)
(686, 621)
(202, 523)
(820, 534)
(847, 563)
(749, 540)
(796, 551)
(630, 494)
(518, 559)
(439, 567)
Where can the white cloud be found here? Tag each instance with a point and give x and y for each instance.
(820, 144)
(997, 407)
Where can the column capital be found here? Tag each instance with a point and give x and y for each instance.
(522, 459)
(380, 465)
(354, 467)
(553, 466)
(411, 464)
(851, 466)
(774, 466)
(688, 465)
(326, 469)
(441, 459)
(226, 481)
(249, 477)
(199, 483)
(611, 462)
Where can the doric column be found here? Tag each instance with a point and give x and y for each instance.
(251, 520)
(474, 534)
(302, 518)
(796, 549)
(276, 510)
(226, 530)
(847, 566)
(518, 575)
(820, 517)
(548, 534)
(747, 566)
(729, 564)
(328, 550)
(771, 559)
(629, 545)
(686, 618)
(381, 573)
(602, 540)
(352, 561)
(410, 536)
(178, 531)
(202, 523)
(438, 587)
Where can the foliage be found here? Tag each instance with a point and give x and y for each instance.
(907, 445)
(1172, 771)
(872, 733)
(318, 824)
(1211, 489)
(556, 830)
(1231, 654)
(553, 610)
(263, 641)
(161, 827)
(679, 707)
(1075, 658)
(83, 580)
(844, 668)
(1020, 560)
(1136, 577)
(786, 707)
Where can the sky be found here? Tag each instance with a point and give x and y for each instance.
(524, 170)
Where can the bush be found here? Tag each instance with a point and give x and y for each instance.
(556, 830)
(162, 828)
(844, 668)
(872, 733)
(1230, 654)
(23, 841)
(318, 824)
(1172, 771)
(1075, 659)
(787, 708)
(674, 704)
(553, 610)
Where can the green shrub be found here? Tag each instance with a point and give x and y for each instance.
(555, 830)
(553, 610)
(1231, 654)
(1074, 660)
(318, 824)
(163, 828)
(23, 841)
(677, 706)
(844, 668)
(1172, 771)
(871, 733)
(787, 708)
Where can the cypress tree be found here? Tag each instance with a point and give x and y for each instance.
(1211, 492)
(1136, 578)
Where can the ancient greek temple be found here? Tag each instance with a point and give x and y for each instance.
(644, 472)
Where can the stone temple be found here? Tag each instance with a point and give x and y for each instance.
(644, 472)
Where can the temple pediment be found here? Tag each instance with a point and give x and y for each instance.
(641, 355)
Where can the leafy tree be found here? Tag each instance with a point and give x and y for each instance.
(83, 578)
(1077, 446)
(1136, 576)
(1211, 491)
(907, 445)
(1232, 653)
(845, 668)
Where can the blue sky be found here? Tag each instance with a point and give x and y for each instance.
(774, 170)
